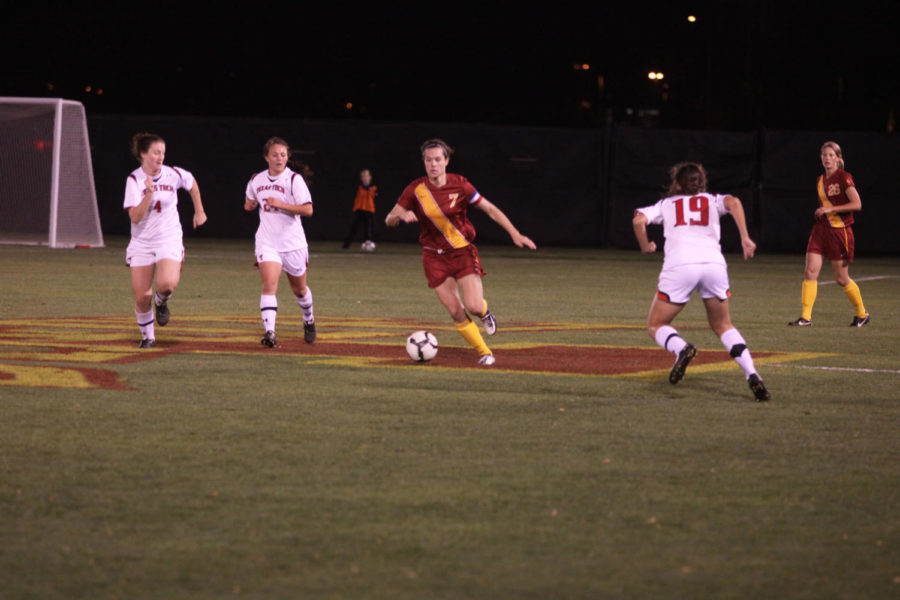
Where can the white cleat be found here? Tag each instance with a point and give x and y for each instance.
(489, 322)
(487, 360)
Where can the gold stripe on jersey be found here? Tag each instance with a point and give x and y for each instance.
(438, 218)
(833, 218)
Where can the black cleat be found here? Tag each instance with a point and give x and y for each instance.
(147, 343)
(269, 339)
(759, 388)
(801, 322)
(489, 322)
(684, 358)
(162, 314)
(857, 322)
(309, 332)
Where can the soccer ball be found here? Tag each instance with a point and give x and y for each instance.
(368, 245)
(421, 346)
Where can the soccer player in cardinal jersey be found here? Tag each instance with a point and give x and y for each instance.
(282, 197)
(832, 237)
(693, 260)
(438, 202)
(151, 200)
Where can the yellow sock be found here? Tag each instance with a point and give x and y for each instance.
(470, 332)
(808, 297)
(852, 291)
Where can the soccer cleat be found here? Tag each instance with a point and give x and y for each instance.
(759, 388)
(684, 358)
(857, 322)
(487, 360)
(269, 339)
(162, 314)
(147, 343)
(801, 322)
(309, 332)
(490, 323)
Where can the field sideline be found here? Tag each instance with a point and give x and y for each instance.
(213, 467)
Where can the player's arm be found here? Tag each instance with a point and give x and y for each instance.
(199, 213)
(250, 203)
(854, 204)
(503, 221)
(398, 214)
(136, 213)
(639, 223)
(734, 206)
(304, 210)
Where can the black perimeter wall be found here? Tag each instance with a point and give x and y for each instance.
(562, 187)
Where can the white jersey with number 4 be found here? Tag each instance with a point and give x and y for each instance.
(161, 223)
(691, 227)
(279, 230)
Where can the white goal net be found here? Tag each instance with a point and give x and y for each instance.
(47, 193)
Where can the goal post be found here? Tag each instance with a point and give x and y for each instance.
(47, 192)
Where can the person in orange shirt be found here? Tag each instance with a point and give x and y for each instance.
(832, 237)
(363, 208)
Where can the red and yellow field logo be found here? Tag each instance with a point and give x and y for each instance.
(82, 353)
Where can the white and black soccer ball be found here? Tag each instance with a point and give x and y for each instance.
(421, 346)
(368, 246)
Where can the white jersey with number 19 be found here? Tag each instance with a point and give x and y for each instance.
(161, 223)
(691, 227)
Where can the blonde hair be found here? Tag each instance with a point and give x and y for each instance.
(837, 151)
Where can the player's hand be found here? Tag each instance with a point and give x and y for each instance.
(148, 184)
(409, 217)
(749, 248)
(523, 241)
(275, 203)
(250, 204)
(650, 249)
(820, 212)
(199, 219)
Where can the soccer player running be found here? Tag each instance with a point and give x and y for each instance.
(438, 202)
(156, 247)
(693, 260)
(832, 237)
(282, 197)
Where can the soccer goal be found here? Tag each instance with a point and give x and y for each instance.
(47, 193)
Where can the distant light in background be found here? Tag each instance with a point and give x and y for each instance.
(692, 19)
(349, 106)
(50, 86)
(87, 89)
(582, 67)
(655, 75)
(99, 91)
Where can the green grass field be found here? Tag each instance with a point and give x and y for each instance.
(264, 474)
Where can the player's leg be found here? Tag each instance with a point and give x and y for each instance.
(841, 269)
(295, 264)
(354, 225)
(809, 288)
(448, 294)
(468, 272)
(369, 219)
(168, 275)
(269, 272)
(142, 288)
(674, 289)
(718, 313)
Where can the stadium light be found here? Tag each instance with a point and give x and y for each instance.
(692, 19)
(655, 75)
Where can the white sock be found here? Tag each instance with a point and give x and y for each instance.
(737, 348)
(159, 298)
(669, 339)
(268, 308)
(145, 324)
(306, 305)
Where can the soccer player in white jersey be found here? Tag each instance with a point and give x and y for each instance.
(151, 199)
(282, 197)
(693, 260)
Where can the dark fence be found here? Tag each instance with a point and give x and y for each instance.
(566, 187)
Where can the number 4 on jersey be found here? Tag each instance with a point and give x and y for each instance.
(696, 204)
(157, 207)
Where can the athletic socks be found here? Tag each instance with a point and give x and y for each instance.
(160, 299)
(808, 291)
(669, 339)
(268, 308)
(737, 348)
(145, 324)
(852, 291)
(469, 330)
(306, 305)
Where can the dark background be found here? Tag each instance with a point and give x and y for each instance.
(741, 65)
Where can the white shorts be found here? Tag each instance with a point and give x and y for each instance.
(141, 254)
(293, 262)
(676, 284)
